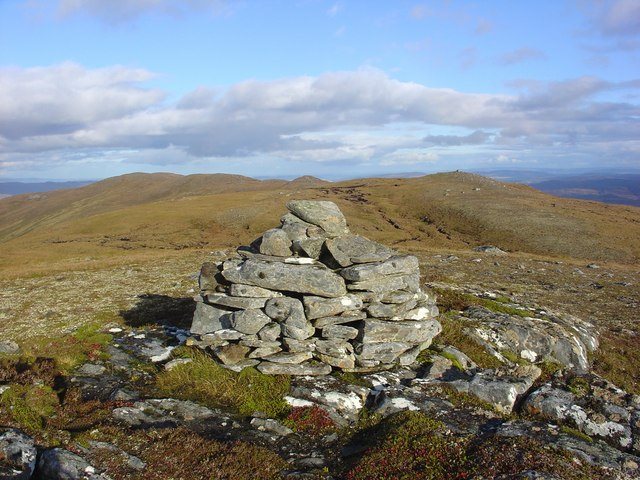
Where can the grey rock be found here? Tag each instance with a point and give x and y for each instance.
(561, 405)
(265, 351)
(464, 361)
(396, 265)
(253, 341)
(270, 332)
(566, 339)
(228, 301)
(346, 250)
(395, 311)
(222, 336)
(210, 278)
(346, 317)
(293, 345)
(384, 352)
(271, 425)
(9, 347)
(241, 365)
(290, 312)
(440, 367)
(209, 319)
(310, 247)
(410, 356)
(401, 297)
(388, 283)
(344, 362)
(239, 290)
(162, 412)
(289, 357)
(249, 321)
(334, 347)
(306, 368)
(503, 387)
(309, 279)
(489, 249)
(60, 464)
(276, 242)
(294, 227)
(324, 214)
(90, 370)
(317, 307)
(17, 455)
(340, 331)
(415, 332)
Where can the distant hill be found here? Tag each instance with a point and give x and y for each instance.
(16, 188)
(150, 215)
(620, 189)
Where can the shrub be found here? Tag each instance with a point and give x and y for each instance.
(29, 405)
(311, 420)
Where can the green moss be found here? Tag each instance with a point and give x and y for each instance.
(352, 378)
(499, 307)
(29, 405)
(576, 433)
(579, 386)
(86, 343)
(453, 333)
(205, 381)
(453, 359)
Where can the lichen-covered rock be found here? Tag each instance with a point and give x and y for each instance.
(60, 464)
(17, 455)
(349, 249)
(325, 215)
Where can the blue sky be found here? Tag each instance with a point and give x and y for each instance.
(95, 88)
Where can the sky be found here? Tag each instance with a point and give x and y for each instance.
(95, 88)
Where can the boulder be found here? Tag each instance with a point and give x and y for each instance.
(346, 250)
(17, 455)
(325, 215)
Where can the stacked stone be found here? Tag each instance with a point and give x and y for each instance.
(310, 296)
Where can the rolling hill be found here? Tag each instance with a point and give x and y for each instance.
(147, 215)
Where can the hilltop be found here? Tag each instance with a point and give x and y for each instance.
(150, 214)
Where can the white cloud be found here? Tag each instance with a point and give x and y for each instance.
(520, 55)
(48, 114)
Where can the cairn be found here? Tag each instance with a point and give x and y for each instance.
(310, 296)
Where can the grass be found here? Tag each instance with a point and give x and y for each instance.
(181, 454)
(413, 446)
(453, 334)
(579, 386)
(205, 381)
(576, 433)
(29, 406)
(85, 344)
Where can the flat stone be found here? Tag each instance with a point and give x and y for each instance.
(334, 348)
(239, 290)
(385, 352)
(253, 341)
(415, 332)
(17, 455)
(289, 357)
(316, 307)
(396, 311)
(388, 283)
(266, 351)
(249, 321)
(340, 331)
(209, 319)
(290, 312)
(306, 368)
(90, 370)
(344, 362)
(231, 354)
(324, 214)
(396, 265)
(276, 242)
(347, 317)
(401, 297)
(235, 302)
(177, 362)
(422, 313)
(293, 345)
(308, 279)
(349, 249)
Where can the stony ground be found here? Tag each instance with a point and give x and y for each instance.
(104, 396)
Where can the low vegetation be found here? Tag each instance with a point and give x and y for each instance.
(203, 380)
(411, 445)
(313, 421)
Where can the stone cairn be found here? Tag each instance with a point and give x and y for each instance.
(310, 296)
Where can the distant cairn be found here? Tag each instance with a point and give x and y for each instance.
(310, 296)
